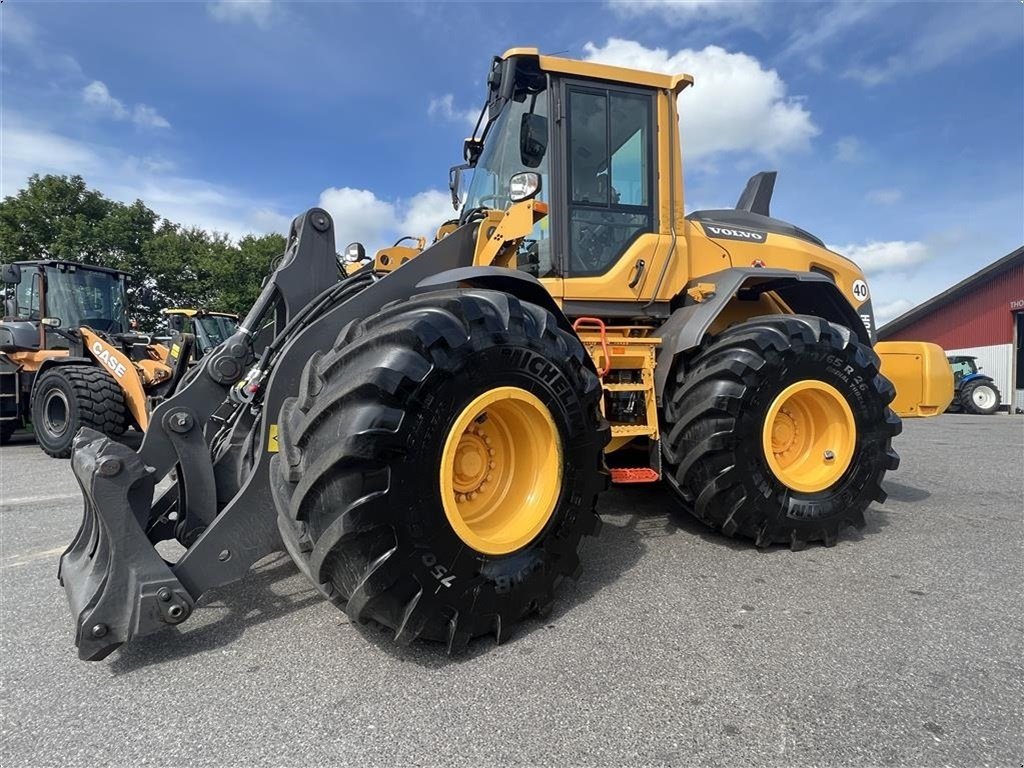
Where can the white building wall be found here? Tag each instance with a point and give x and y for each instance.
(996, 361)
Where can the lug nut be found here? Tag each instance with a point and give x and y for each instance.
(829, 455)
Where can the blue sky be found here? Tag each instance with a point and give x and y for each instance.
(897, 128)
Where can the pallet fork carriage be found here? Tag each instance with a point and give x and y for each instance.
(427, 437)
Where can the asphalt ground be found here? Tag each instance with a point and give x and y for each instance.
(903, 644)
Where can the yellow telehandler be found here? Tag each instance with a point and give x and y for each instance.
(429, 442)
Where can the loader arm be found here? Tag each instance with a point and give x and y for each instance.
(220, 508)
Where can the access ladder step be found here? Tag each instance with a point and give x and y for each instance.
(635, 475)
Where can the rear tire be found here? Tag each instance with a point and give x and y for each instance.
(714, 443)
(358, 482)
(980, 397)
(69, 397)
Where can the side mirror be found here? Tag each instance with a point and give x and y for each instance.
(455, 184)
(523, 186)
(355, 253)
(471, 149)
(52, 322)
(533, 139)
(10, 274)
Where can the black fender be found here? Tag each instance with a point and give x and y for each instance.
(807, 293)
(523, 286)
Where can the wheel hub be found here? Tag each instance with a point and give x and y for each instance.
(501, 470)
(55, 412)
(784, 432)
(809, 436)
(473, 463)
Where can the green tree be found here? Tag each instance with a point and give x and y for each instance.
(59, 217)
(170, 265)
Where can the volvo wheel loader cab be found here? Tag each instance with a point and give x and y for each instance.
(68, 358)
(428, 442)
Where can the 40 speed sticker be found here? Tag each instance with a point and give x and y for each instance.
(860, 290)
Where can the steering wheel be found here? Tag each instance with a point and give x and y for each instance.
(593, 244)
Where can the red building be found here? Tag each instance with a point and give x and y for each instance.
(982, 316)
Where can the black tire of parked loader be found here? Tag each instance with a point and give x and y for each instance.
(357, 474)
(90, 397)
(966, 402)
(716, 409)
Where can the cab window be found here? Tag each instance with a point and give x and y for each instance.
(28, 293)
(610, 178)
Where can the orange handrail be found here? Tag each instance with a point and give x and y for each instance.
(582, 322)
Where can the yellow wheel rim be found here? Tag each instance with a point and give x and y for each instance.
(501, 471)
(809, 436)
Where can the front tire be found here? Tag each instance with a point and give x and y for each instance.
(442, 464)
(69, 397)
(780, 431)
(980, 397)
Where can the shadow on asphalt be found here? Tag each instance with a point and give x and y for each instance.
(618, 547)
(654, 513)
(248, 603)
(901, 492)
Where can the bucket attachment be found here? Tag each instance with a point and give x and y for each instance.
(117, 585)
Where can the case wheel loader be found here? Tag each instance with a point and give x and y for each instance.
(68, 359)
(429, 442)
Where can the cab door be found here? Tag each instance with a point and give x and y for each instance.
(607, 242)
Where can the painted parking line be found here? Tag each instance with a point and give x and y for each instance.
(45, 554)
(19, 500)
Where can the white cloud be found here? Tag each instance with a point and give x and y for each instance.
(736, 105)
(425, 212)
(97, 96)
(145, 115)
(33, 148)
(888, 196)
(444, 106)
(886, 256)
(817, 32)
(360, 216)
(686, 12)
(258, 12)
(849, 149)
(947, 34)
(891, 309)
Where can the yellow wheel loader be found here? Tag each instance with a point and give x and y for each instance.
(68, 359)
(209, 327)
(429, 442)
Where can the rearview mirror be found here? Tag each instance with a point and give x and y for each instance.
(51, 322)
(455, 184)
(533, 139)
(10, 274)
